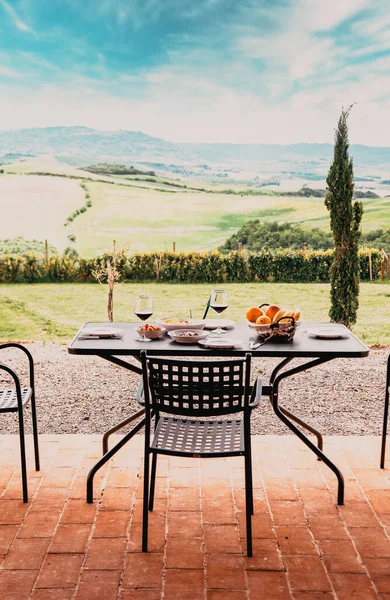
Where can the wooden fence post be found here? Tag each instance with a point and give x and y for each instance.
(46, 253)
(174, 247)
(385, 260)
(370, 265)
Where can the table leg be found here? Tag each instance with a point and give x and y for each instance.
(278, 367)
(107, 457)
(280, 413)
(120, 425)
(317, 434)
(107, 454)
(287, 413)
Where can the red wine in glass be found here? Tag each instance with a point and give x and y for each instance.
(219, 308)
(143, 310)
(143, 315)
(219, 303)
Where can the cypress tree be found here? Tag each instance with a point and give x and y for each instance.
(345, 219)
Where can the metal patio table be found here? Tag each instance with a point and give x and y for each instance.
(303, 346)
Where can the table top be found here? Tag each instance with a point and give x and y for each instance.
(303, 344)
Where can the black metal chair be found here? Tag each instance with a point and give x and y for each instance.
(178, 393)
(13, 401)
(385, 415)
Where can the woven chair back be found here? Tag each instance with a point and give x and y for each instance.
(197, 388)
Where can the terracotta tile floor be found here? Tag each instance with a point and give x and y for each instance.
(305, 547)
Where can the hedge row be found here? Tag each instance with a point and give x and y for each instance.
(192, 267)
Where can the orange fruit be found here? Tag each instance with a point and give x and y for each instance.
(271, 311)
(263, 320)
(253, 313)
(279, 314)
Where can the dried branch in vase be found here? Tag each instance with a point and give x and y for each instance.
(109, 273)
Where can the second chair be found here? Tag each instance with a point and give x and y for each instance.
(14, 400)
(385, 415)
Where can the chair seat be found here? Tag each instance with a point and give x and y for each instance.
(9, 399)
(199, 438)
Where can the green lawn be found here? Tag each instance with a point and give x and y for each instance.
(54, 312)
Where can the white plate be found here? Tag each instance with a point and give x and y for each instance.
(220, 343)
(215, 323)
(178, 336)
(326, 333)
(102, 332)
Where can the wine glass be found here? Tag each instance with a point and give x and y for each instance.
(143, 310)
(219, 303)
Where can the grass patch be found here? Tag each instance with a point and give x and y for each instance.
(236, 220)
(19, 321)
(54, 312)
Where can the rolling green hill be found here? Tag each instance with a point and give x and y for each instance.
(150, 213)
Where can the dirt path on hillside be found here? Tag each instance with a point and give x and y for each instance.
(78, 394)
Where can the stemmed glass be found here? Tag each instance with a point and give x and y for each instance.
(143, 310)
(219, 303)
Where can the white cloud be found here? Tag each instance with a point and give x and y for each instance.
(317, 15)
(6, 72)
(19, 24)
(22, 26)
(193, 110)
(204, 95)
(295, 48)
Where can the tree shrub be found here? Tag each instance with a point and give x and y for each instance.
(345, 219)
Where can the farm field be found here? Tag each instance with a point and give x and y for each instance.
(147, 215)
(54, 312)
(152, 220)
(36, 207)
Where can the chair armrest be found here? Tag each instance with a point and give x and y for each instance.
(16, 382)
(140, 392)
(259, 388)
(29, 356)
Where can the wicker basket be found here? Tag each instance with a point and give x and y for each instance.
(282, 331)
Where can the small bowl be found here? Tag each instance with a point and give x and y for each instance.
(187, 336)
(151, 335)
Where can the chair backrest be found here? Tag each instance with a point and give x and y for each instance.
(197, 388)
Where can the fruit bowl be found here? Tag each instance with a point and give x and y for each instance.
(281, 331)
(152, 331)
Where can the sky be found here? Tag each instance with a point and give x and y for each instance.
(239, 71)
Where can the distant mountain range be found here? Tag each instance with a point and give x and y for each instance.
(81, 146)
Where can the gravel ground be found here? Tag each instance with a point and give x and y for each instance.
(77, 394)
